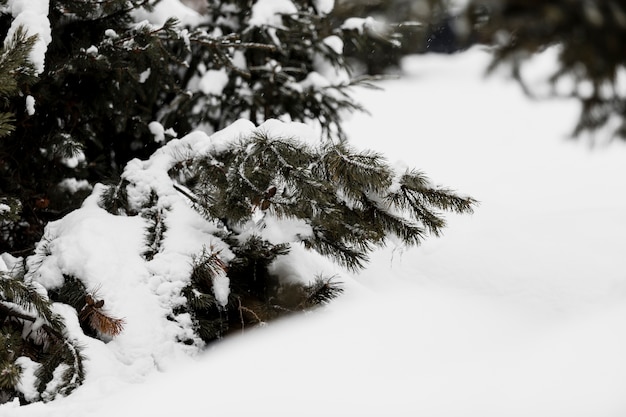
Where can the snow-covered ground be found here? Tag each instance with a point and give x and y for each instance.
(518, 310)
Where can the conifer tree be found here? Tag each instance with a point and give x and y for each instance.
(107, 79)
(111, 100)
(15, 72)
(345, 203)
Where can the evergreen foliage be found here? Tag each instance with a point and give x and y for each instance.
(94, 321)
(256, 296)
(112, 92)
(106, 78)
(30, 329)
(15, 73)
(347, 202)
(352, 200)
(277, 67)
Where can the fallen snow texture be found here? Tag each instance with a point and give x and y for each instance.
(33, 16)
(518, 310)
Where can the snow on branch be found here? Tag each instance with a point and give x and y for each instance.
(32, 15)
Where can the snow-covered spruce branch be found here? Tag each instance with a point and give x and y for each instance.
(348, 197)
(27, 296)
(27, 314)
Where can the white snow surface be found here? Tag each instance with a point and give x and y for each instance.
(517, 310)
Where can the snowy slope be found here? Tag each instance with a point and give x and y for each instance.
(517, 310)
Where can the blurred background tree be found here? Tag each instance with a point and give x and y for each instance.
(589, 38)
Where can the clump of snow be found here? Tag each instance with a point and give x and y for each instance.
(158, 131)
(372, 27)
(4, 208)
(110, 33)
(72, 185)
(165, 9)
(143, 77)
(30, 105)
(335, 43)
(213, 82)
(9, 262)
(33, 16)
(221, 140)
(221, 288)
(325, 6)
(268, 12)
(33, 6)
(27, 385)
(92, 51)
(357, 23)
(334, 75)
(74, 160)
(301, 131)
